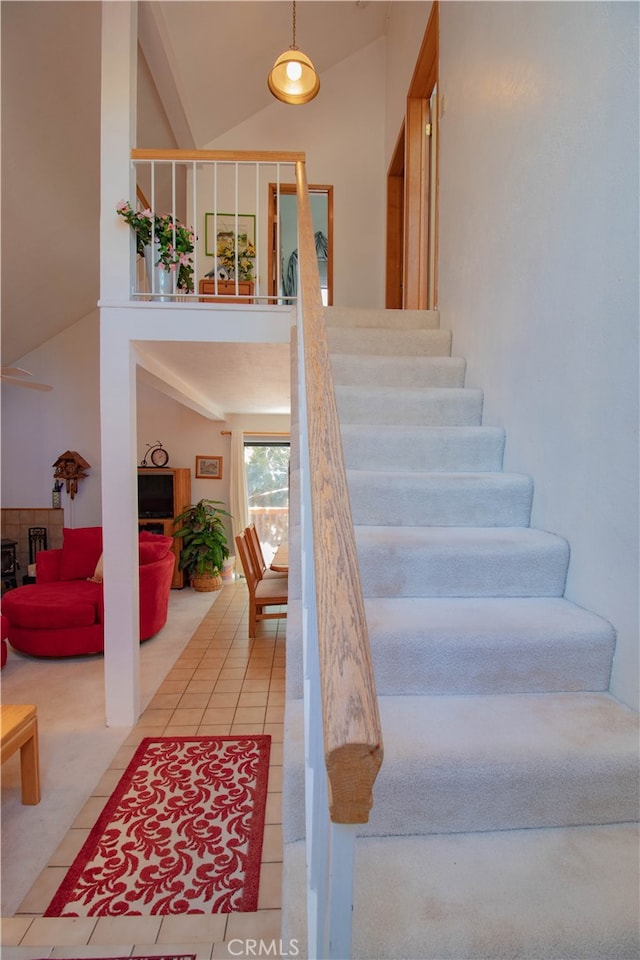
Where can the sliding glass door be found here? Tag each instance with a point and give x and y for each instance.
(266, 464)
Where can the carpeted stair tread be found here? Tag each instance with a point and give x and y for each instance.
(377, 317)
(398, 371)
(568, 893)
(445, 407)
(454, 764)
(402, 343)
(460, 562)
(487, 645)
(440, 499)
(418, 447)
(438, 645)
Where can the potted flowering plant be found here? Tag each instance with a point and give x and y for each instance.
(172, 242)
(226, 250)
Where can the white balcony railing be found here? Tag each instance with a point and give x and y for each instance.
(224, 200)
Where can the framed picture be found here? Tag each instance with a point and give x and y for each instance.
(223, 232)
(209, 468)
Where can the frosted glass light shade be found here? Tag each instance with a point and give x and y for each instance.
(302, 90)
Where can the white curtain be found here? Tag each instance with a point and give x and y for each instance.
(239, 503)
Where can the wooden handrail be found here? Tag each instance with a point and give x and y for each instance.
(352, 732)
(242, 156)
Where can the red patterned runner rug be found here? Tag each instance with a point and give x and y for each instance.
(181, 833)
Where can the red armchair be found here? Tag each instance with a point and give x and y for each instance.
(62, 614)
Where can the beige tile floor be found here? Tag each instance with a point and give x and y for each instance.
(222, 683)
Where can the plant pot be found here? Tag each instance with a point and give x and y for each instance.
(161, 282)
(206, 582)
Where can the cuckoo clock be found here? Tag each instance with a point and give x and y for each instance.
(69, 468)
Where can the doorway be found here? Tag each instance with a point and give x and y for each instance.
(283, 245)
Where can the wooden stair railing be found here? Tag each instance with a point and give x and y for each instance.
(340, 688)
(352, 731)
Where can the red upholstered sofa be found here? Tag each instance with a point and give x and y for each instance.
(61, 614)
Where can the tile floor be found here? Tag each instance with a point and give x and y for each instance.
(221, 683)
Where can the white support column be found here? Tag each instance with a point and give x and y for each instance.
(117, 137)
(119, 510)
(117, 369)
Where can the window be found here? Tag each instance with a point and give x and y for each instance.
(267, 468)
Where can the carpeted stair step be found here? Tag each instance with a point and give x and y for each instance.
(461, 562)
(454, 764)
(440, 499)
(567, 893)
(382, 318)
(402, 372)
(487, 645)
(445, 449)
(398, 343)
(437, 645)
(427, 406)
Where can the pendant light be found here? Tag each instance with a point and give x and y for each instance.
(293, 78)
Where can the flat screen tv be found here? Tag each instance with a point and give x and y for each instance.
(155, 495)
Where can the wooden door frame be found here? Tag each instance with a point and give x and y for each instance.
(408, 182)
(289, 189)
(395, 226)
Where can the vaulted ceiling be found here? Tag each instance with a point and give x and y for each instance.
(209, 62)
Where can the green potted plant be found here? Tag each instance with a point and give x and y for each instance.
(172, 242)
(204, 543)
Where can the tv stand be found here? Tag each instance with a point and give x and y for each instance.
(166, 525)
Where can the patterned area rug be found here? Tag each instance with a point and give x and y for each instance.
(181, 833)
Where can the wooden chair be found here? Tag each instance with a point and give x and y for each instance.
(262, 593)
(261, 568)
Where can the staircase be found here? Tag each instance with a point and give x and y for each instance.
(504, 814)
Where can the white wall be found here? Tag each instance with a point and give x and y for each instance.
(405, 32)
(342, 135)
(37, 427)
(539, 269)
(185, 433)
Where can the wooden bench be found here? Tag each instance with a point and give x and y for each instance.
(19, 727)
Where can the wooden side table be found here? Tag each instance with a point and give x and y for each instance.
(226, 291)
(19, 729)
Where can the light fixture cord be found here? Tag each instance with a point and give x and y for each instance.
(293, 45)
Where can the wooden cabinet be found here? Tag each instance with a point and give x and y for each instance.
(178, 483)
(226, 291)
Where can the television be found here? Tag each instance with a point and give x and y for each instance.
(155, 496)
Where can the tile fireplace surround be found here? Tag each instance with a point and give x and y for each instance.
(15, 526)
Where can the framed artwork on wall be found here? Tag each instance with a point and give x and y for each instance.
(228, 237)
(208, 468)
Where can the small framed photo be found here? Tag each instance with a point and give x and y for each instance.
(209, 468)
